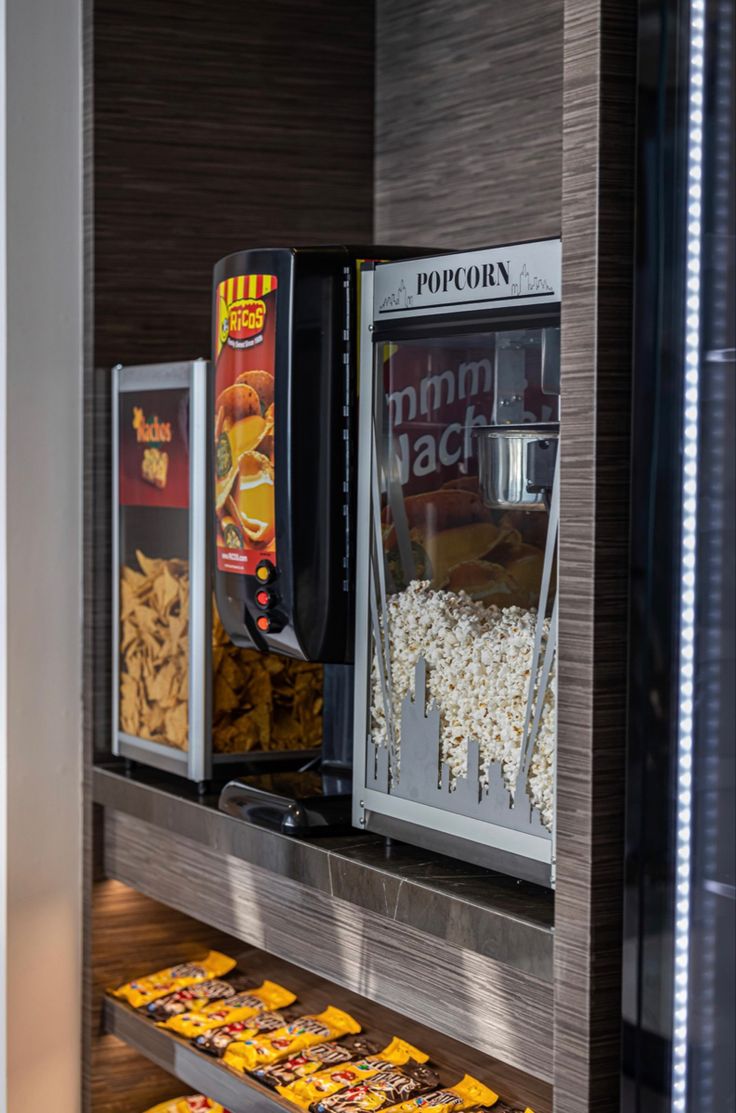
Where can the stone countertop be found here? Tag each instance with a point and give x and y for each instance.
(470, 907)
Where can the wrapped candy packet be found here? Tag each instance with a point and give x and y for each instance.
(241, 1007)
(392, 1085)
(303, 1032)
(195, 1103)
(217, 1040)
(305, 1091)
(468, 1093)
(192, 998)
(313, 1059)
(504, 1107)
(144, 990)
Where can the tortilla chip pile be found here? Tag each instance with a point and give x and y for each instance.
(154, 657)
(260, 701)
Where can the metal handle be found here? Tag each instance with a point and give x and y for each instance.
(534, 708)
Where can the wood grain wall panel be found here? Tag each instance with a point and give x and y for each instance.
(597, 237)
(219, 127)
(468, 121)
(498, 1010)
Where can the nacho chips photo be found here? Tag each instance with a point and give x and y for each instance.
(260, 702)
(154, 650)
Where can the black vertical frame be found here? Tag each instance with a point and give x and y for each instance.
(654, 557)
(711, 1083)
(655, 564)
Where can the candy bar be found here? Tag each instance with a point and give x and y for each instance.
(304, 1091)
(313, 1059)
(144, 990)
(241, 1007)
(303, 1032)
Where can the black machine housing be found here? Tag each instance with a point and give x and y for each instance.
(316, 383)
(315, 391)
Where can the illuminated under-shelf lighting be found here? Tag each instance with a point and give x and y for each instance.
(688, 559)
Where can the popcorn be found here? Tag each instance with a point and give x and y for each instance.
(478, 666)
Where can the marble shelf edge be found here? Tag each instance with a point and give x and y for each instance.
(464, 906)
(483, 1003)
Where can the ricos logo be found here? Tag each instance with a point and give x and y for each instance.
(245, 318)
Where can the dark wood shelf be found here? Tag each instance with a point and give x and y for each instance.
(450, 946)
(240, 1094)
(194, 1068)
(467, 906)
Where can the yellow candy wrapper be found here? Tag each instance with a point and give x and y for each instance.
(304, 1091)
(195, 1103)
(305, 1031)
(215, 1041)
(193, 998)
(387, 1087)
(503, 1107)
(317, 1058)
(468, 1093)
(242, 1006)
(144, 990)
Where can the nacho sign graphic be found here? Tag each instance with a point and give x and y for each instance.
(244, 422)
(153, 467)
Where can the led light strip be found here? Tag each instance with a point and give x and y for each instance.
(686, 687)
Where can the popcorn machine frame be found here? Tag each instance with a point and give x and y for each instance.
(478, 810)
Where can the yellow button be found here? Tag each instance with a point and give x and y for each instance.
(265, 571)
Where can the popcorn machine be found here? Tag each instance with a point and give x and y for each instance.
(458, 496)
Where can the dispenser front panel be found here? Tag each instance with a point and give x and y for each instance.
(244, 418)
(153, 478)
(160, 595)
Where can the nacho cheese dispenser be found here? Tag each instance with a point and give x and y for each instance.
(283, 413)
(284, 419)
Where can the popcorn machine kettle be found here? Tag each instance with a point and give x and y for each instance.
(458, 496)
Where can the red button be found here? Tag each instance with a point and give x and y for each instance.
(263, 598)
(263, 623)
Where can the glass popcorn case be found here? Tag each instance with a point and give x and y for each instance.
(456, 624)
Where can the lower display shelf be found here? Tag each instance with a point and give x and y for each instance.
(192, 1067)
(241, 1094)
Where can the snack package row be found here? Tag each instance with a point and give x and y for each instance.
(317, 1061)
(193, 1103)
